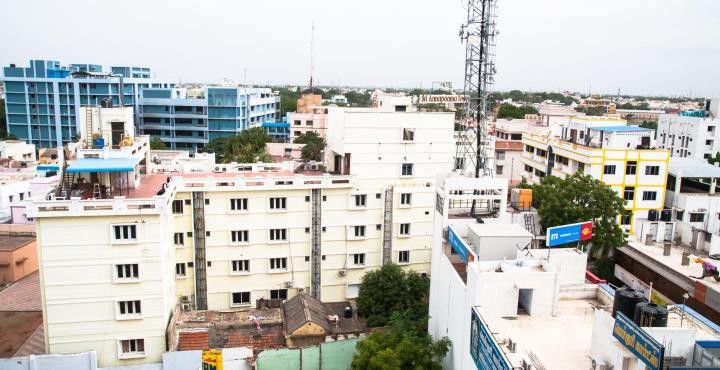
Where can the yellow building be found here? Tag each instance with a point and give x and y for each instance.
(619, 155)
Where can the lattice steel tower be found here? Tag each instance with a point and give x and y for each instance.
(479, 35)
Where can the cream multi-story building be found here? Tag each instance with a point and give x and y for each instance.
(608, 150)
(119, 256)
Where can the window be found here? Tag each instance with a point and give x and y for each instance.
(240, 298)
(697, 217)
(516, 137)
(278, 234)
(129, 307)
(359, 231)
(629, 193)
(132, 348)
(626, 218)
(278, 203)
(406, 199)
(404, 257)
(405, 229)
(581, 167)
(177, 207)
(241, 265)
(499, 170)
(179, 239)
(239, 236)
(360, 200)
(528, 169)
(652, 170)
(529, 149)
(631, 168)
(238, 204)
(127, 271)
(609, 169)
(297, 122)
(308, 123)
(358, 259)
(407, 169)
(541, 153)
(180, 270)
(500, 155)
(649, 195)
(125, 232)
(278, 263)
(278, 294)
(408, 134)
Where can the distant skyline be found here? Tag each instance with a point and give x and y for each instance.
(642, 47)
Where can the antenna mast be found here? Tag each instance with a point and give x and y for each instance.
(479, 35)
(312, 55)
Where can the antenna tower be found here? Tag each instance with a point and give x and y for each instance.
(312, 55)
(479, 35)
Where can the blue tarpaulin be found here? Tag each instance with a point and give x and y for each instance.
(103, 165)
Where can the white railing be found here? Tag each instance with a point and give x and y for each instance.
(119, 205)
(297, 181)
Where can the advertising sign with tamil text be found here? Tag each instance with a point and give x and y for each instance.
(459, 246)
(558, 235)
(484, 350)
(640, 343)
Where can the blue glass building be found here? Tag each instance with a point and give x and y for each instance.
(190, 118)
(43, 104)
(43, 100)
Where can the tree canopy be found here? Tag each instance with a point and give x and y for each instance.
(389, 291)
(157, 144)
(581, 198)
(246, 147)
(511, 111)
(398, 349)
(314, 146)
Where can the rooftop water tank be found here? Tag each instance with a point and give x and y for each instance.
(625, 301)
(650, 315)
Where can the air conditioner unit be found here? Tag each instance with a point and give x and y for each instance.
(342, 272)
(186, 307)
(185, 299)
(289, 284)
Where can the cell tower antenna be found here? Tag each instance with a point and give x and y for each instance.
(479, 35)
(312, 55)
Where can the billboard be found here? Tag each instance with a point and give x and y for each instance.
(441, 99)
(635, 339)
(459, 246)
(557, 235)
(484, 349)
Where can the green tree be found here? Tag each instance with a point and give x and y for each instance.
(511, 111)
(592, 111)
(398, 349)
(157, 144)
(391, 291)
(358, 99)
(288, 100)
(649, 124)
(714, 159)
(246, 147)
(314, 146)
(580, 198)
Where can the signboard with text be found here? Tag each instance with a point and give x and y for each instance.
(459, 246)
(484, 350)
(558, 235)
(640, 343)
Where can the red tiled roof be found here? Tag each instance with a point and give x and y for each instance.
(193, 340)
(23, 295)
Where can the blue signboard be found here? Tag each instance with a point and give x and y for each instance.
(558, 235)
(484, 350)
(645, 347)
(458, 245)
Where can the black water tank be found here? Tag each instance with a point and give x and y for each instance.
(653, 215)
(650, 315)
(348, 312)
(625, 301)
(666, 215)
(106, 103)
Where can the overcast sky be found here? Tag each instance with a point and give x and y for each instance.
(640, 46)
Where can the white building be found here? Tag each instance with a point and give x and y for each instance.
(531, 309)
(509, 148)
(18, 150)
(692, 200)
(689, 137)
(153, 241)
